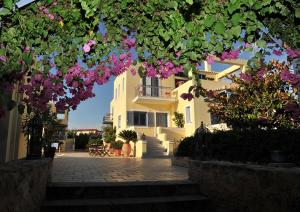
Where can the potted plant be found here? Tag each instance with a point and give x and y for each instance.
(128, 135)
(109, 136)
(117, 146)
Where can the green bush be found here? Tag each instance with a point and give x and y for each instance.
(117, 144)
(95, 141)
(81, 141)
(249, 145)
(128, 135)
(186, 147)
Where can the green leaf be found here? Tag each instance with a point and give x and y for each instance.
(4, 12)
(219, 28)
(261, 43)
(173, 4)
(236, 19)
(297, 12)
(209, 21)
(189, 1)
(237, 30)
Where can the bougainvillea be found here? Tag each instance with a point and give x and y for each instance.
(261, 97)
(177, 34)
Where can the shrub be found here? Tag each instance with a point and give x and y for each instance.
(128, 135)
(178, 119)
(81, 141)
(109, 134)
(250, 145)
(95, 141)
(186, 147)
(117, 144)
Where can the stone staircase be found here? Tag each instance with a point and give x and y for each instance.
(155, 196)
(154, 148)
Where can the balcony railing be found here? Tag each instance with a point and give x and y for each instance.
(153, 91)
(107, 118)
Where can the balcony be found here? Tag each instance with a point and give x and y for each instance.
(107, 119)
(147, 94)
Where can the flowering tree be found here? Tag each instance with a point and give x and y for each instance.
(263, 97)
(44, 41)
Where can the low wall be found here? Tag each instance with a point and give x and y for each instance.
(23, 184)
(180, 161)
(242, 187)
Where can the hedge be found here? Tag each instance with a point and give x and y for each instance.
(243, 146)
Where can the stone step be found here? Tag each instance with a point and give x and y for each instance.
(60, 191)
(145, 204)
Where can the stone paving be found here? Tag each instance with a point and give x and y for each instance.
(80, 167)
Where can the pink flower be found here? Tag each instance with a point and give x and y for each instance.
(129, 42)
(38, 77)
(91, 42)
(26, 49)
(231, 55)
(51, 16)
(210, 60)
(293, 53)
(3, 58)
(178, 54)
(86, 48)
(123, 56)
(247, 45)
(277, 52)
(133, 71)
(187, 96)
(245, 77)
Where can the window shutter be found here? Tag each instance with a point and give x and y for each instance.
(129, 118)
(150, 119)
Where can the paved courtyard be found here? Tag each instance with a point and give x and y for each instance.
(80, 167)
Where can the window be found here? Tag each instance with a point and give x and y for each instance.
(139, 118)
(60, 116)
(119, 121)
(214, 119)
(123, 83)
(188, 115)
(162, 119)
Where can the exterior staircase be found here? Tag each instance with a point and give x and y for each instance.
(154, 148)
(156, 196)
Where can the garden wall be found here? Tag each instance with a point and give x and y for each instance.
(242, 187)
(23, 184)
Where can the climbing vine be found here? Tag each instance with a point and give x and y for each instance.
(63, 47)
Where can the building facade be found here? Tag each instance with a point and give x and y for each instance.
(147, 105)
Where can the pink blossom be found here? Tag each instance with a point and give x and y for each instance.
(210, 59)
(178, 54)
(26, 49)
(231, 55)
(133, 71)
(86, 48)
(91, 42)
(187, 96)
(51, 16)
(129, 42)
(245, 77)
(247, 45)
(123, 56)
(293, 53)
(3, 58)
(277, 52)
(38, 77)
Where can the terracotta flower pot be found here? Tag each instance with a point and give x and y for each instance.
(117, 152)
(111, 150)
(126, 149)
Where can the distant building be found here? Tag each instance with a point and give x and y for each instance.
(87, 131)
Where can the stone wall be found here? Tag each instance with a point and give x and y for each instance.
(249, 188)
(23, 184)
